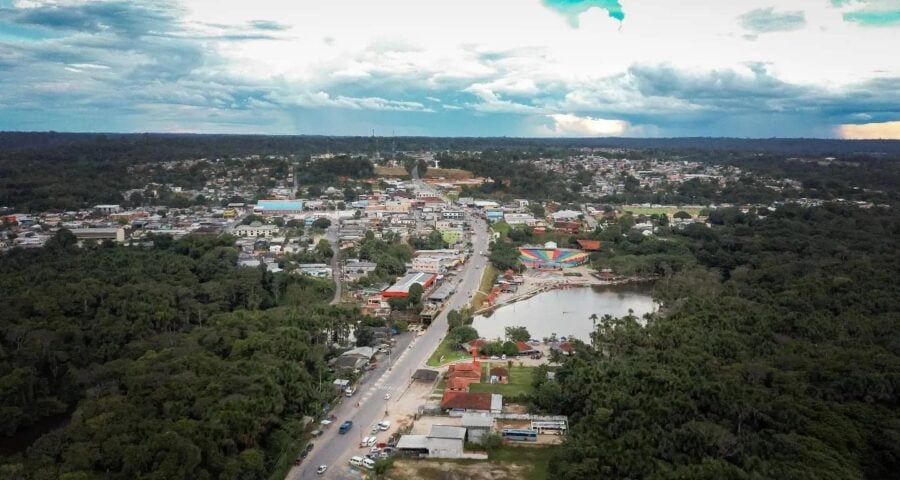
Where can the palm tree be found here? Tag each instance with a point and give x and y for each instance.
(593, 319)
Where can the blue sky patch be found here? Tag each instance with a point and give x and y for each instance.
(571, 9)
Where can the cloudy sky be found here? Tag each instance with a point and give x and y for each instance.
(745, 68)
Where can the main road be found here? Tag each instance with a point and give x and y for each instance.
(333, 449)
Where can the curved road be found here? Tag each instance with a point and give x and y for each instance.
(335, 450)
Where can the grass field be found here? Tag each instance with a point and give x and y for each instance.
(519, 380)
(447, 173)
(487, 282)
(450, 352)
(636, 210)
(506, 463)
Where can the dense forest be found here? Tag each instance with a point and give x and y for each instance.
(776, 355)
(40, 171)
(166, 361)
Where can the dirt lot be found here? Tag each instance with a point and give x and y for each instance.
(445, 173)
(443, 470)
(423, 424)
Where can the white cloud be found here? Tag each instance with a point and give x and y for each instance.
(567, 125)
(325, 100)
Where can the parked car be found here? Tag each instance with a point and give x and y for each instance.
(387, 396)
(384, 425)
(321, 469)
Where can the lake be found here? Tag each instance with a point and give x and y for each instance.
(567, 312)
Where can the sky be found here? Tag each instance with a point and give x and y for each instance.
(524, 68)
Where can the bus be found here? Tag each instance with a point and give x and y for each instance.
(519, 434)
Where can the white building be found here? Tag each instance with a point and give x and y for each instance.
(256, 230)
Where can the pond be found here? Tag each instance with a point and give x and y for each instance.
(567, 312)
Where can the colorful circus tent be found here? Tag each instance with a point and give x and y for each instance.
(550, 256)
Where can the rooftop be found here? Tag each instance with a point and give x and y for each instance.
(447, 431)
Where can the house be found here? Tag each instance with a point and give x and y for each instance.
(348, 363)
(457, 384)
(477, 426)
(526, 349)
(256, 229)
(567, 227)
(564, 348)
(499, 375)
(467, 402)
(474, 345)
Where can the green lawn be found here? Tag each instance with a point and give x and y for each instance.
(519, 380)
(487, 282)
(450, 352)
(501, 227)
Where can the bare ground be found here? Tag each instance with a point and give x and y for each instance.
(442, 470)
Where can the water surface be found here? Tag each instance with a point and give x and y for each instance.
(567, 312)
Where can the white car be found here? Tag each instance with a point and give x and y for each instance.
(387, 396)
(321, 469)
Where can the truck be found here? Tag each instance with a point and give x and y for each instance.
(345, 427)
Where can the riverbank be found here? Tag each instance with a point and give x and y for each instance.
(536, 282)
(556, 310)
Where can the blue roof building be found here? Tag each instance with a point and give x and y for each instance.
(279, 207)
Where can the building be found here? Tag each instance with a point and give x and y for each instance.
(442, 441)
(519, 218)
(256, 230)
(469, 402)
(278, 207)
(453, 214)
(565, 215)
(499, 375)
(317, 270)
(477, 425)
(589, 245)
(401, 288)
(117, 234)
(359, 268)
(107, 209)
(494, 215)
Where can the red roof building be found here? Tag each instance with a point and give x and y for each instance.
(457, 384)
(466, 401)
(567, 227)
(589, 245)
(525, 349)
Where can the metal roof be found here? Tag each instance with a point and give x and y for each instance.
(447, 431)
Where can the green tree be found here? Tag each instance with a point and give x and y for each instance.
(517, 334)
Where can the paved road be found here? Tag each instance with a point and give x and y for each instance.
(335, 450)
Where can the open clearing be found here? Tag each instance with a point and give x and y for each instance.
(445, 173)
(637, 210)
(507, 463)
